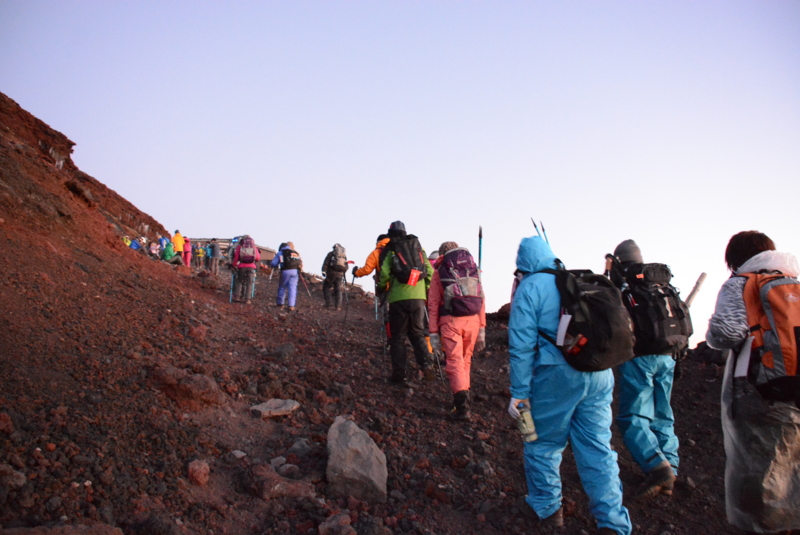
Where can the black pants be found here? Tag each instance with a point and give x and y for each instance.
(407, 319)
(333, 281)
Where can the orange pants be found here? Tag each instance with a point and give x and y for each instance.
(458, 336)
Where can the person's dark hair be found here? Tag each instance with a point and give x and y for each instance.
(382, 237)
(744, 246)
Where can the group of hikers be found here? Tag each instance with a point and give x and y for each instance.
(179, 250)
(567, 332)
(565, 381)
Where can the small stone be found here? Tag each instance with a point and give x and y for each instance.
(275, 407)
(484, 469)
(397, 495)
(278, 461)
(199, 472)
(238, 454)
(6, 424)
(482, 436)
(301, 448)
(338, 524)
(53, 504)
(690, 483)
(289, 471)
(690, 442)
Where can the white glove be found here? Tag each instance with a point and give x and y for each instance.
(480, 345)
(513, 411)
(436, 342)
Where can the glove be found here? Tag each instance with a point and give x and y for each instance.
(355, 268)
(436, 342)
(513, 411)
(480, 345)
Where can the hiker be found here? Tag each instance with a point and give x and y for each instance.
(214, 256)
(198, 255)
(177, 243)
(566, 404)
(334, 268)
(169, 256)
(408, 273)
(291, 264)
(137, 244)
(457, 319)
(162, 242)
(187, 251)
(762, 435)
(245, 262)
(153, 249)
(433, 258)
(645, 415)
(126, 240)
(373, 263)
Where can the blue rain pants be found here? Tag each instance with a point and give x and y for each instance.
(645, 416)
(570, 405)
(289, 279)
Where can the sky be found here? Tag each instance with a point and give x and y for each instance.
(676, 124)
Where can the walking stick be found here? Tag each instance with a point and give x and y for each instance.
(300, 274)
(233, 277)
(480, 246)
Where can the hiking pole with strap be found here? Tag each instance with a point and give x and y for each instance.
(253, 291)
(233, 278)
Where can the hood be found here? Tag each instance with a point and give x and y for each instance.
(534, 254)
(786, 263)
(382, 243)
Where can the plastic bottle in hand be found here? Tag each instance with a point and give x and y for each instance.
(525, 424)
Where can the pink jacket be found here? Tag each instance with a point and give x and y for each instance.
(436, 300)
(187, 246)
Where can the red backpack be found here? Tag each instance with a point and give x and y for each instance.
(772, 301)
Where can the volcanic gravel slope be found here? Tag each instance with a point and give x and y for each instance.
(117, 371)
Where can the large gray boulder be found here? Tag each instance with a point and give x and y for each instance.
(356, 466)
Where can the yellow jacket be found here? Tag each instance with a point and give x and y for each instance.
(177, 242)
(373, 260)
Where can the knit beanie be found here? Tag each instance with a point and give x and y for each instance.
(447, 246)
(628, 251)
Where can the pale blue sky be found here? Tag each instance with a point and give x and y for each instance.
(676, 124)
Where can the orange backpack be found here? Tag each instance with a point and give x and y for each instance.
(772, 301)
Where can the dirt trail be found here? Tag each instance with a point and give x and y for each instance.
(99, 342)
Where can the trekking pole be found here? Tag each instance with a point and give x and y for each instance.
(345, 290)
(233, 277)
(536, 227)
(271, 271)
(253, 292)
(439, 371)
(700, 280)
(544, 232)
(480, 246)
(300, 274)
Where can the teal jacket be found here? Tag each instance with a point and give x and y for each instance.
(402, 292)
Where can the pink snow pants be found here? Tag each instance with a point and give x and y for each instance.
(458, 336)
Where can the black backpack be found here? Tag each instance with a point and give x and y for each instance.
(599, 335)
(661, 320)
(291, 259)
(408, 258)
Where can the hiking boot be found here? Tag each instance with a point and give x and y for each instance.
(291, 309)
(397, 380)
(658, 480)
(556, 520)
(460, 410)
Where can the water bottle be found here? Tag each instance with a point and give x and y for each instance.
(525, 424)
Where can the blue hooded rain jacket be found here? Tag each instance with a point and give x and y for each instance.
(566, 404)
